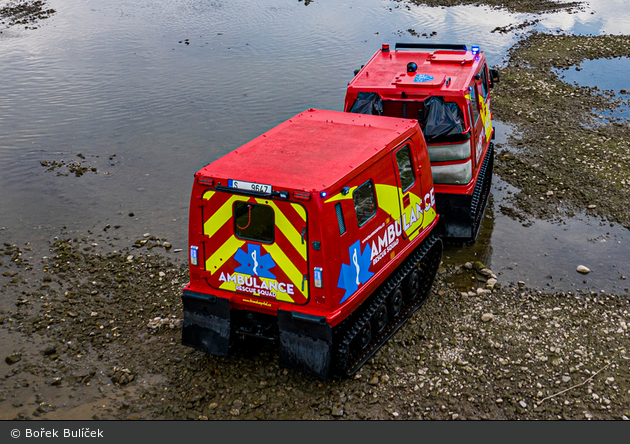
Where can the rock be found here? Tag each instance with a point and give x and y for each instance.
(522, 404)
(130, 258)
(468, 265)
(592, 207)
(582, 269)
(491, 283)
(521, 284)
(464, 294)
(166, 245)
(487, 317)
(478, 266)
(12, 359)
(472, 293)
(337, 411)
(486, 272)
(374, 380)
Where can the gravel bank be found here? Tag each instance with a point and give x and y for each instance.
(563, 156)
(106, 329)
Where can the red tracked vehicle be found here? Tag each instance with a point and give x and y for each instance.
(318, 234)
(447, 89)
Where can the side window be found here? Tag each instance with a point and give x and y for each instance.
(254, 222)
(364, 202)
(484, 81)
(405, 168)
(475, 105)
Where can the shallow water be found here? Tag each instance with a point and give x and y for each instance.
(607, 75)
(170, 86)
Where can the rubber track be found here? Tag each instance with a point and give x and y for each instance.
(481, 193)
(427, 257)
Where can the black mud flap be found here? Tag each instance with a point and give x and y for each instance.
(455, 218)
(206, 323)
(305, 343)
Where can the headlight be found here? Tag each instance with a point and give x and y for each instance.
(452, 151)
(459, 174)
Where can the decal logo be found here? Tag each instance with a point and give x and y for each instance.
(351, 276)
(420, 78)
(250, 264)
(253, 275)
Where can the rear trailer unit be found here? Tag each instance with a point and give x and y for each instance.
(318, 234)
(447, 89)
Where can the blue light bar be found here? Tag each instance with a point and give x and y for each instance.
(475, 49)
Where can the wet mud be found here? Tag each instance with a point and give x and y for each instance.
(532, 6)
(563, 155)
(103, 329)
(24, 12)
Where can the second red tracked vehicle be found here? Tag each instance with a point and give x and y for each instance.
(447, 89)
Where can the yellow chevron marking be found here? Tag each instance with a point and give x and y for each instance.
(226, 251)
(287, 228)
(299, 209)
(429, 217)
(221, 216)
(340, 196)
(388, 199)
(290, 270)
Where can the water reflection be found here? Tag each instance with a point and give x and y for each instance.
(170, 86)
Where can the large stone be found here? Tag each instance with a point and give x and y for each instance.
(12, 359)
(582, 269)
(487, 317)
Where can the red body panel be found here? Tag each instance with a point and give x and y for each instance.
(318, 163)
(451, 74)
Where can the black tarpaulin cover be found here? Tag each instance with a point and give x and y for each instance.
(368, 103)
(443, 122)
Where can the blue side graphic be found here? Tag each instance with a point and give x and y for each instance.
(254, 263)
(419, 78)
(358, 272)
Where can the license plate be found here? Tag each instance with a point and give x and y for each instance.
(249, 186)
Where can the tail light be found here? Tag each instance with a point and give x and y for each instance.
(301, 195)
(208, 181)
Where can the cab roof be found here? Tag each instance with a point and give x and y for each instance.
(313, 150)
(448, 71)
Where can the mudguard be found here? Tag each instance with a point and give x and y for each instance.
(206, 323)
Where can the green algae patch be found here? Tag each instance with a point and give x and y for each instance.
(562, 156)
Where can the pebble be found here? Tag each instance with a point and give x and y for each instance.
(521, 284)
(522, 404)
(130, 258)
(337, 412)
(566, 378)
(582, 269)
(468, 266)
(491, 282)
(12, 359)
(486, 272)
(592, 207)
(487, 317)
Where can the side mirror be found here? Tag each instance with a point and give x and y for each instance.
(494, 77)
